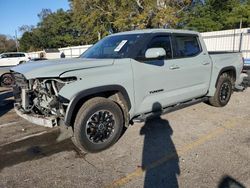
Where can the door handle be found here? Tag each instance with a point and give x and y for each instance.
(205, 63)
(174, 67)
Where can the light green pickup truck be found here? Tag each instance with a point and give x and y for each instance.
(125, 77)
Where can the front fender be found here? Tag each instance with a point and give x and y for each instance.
(88, 92)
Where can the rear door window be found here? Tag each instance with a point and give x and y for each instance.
(11, 55)
(21, 55)
(186, 46)
(17, 55)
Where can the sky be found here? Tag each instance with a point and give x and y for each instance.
(15, 13)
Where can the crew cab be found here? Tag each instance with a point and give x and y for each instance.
(123, 78)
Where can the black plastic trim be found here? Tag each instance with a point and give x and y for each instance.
(230, 68)
(69, 113)
(222, 52)
(144, 117)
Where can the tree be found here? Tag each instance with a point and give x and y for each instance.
(7, 44)
(93, 17)
(26, 28)
(88, 20)
(212, 15)
(56, 30)
(44, 13)
(53, 31)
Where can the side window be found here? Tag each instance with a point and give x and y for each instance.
(11, 55)
(186, 46)
(8, 56)
(162, 42)
(19, 55)
(16, 55)
(4, 56)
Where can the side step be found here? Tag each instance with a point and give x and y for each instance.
(144, 117)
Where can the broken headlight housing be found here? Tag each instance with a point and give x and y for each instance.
(42, 96)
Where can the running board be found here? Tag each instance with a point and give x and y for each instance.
(144, 117)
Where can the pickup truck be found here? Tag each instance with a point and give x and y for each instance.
(124, 78)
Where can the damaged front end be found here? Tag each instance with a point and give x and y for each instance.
(37, 100)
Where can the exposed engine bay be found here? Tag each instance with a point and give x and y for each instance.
(40, 96)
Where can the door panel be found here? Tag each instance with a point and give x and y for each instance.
(190, 79)
(194, 66)
(149, 84)
(170, 81)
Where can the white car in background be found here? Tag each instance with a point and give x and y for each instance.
(9, 59)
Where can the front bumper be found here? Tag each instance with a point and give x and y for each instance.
(37, 119)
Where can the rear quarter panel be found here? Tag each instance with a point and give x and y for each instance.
(222, 61)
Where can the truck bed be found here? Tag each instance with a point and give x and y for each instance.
(226, 59)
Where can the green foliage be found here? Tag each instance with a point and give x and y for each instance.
(7, 44)
(98, 17)
(87, 20)
(217, 15)
(53, 31)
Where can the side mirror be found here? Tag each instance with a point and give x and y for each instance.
(155, 53)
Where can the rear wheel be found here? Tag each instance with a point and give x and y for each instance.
(223, 91)
(6, 80)
(98, 125)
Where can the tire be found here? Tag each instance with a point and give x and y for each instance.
(98, 125)
(21, 62)
(223, 91)
(6, 80)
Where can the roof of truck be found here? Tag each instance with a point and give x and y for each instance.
(157, 31)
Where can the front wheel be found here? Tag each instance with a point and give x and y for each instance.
(223, 91)
(98, 125)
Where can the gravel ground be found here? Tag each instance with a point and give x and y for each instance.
(200, 146)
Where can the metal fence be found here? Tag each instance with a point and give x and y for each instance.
(69, 52)
(230, 40)
(74, 51)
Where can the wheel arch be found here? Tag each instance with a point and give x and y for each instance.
(4, 74)
(82, 96)
(230, 70)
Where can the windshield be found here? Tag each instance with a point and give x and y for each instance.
(112, 47)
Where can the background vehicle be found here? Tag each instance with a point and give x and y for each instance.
(125, 77)
(12, 58)
(6, 79)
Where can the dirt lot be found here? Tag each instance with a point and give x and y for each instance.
(199, 146)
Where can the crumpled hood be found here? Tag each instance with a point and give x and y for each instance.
(54, 68)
